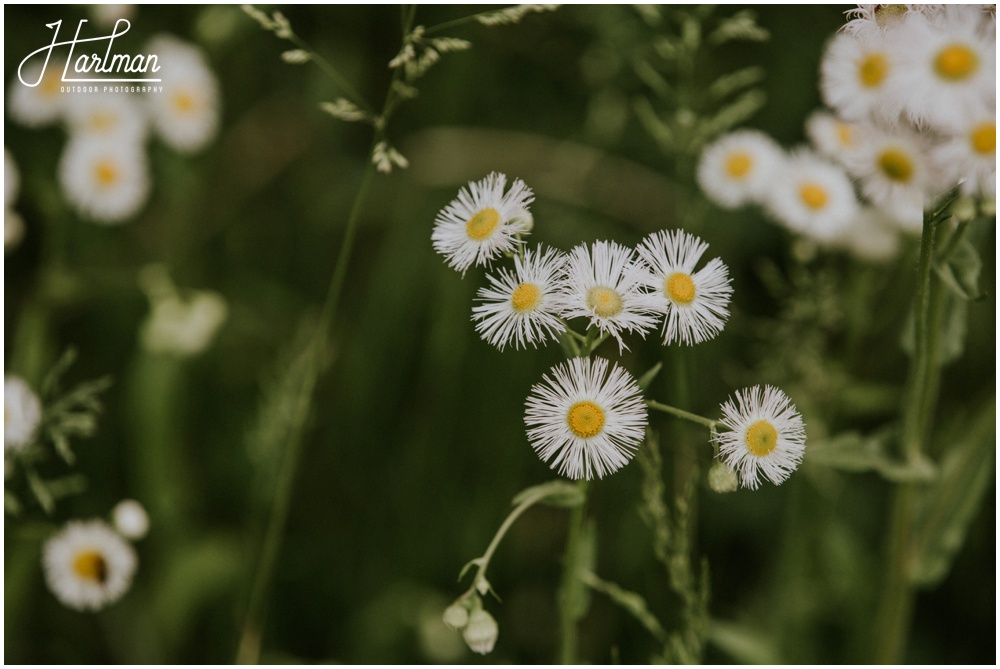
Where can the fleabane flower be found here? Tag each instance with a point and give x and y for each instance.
(22, 413)
(39, 105)
(483, 223)
(106, 181)
(812, 196)
(735, 169)
(110, 116)
(838, 140)
(970, 157)
(586, 419)
(948, 72)
(88, 565)
(766, 436)
(521, 307)
(855, 75)
(893, 167)
(603, 282)
(186, 114)
(694, 303)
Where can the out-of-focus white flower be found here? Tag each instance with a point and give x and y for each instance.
(108, 15)
(179, 325)
(106, 181)
(22, 413)
(812, 197)
(766, 436)
(872, 236)
(522, 308)
(130, 519)
(833, 138)
(481, 633)
(695, 304)
(482, 223)
(113, 117)
(855, 75)
(893, 167)
(39, 105)
(736, 168)
(603, 282)
(186, 113)
(970, 157)
(586, 420)
(88, 565)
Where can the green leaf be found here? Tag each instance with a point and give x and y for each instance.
(960, 270)
(11, 505)
(853, 452)
(740, 26)
(650, 374)
(951, 337)
(745, 106)
(728, 84)
(658, 130)
(632, 602)
(951, 504)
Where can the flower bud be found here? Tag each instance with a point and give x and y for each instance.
(481, 632)
(722, 479)
(456, 616)
(130, 519)
(964, 209)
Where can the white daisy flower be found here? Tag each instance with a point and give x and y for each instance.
(522, 306)
(113, 117)
(108, 15)
(39, 105)
(182, 325)
(855, 74)
(892, 167)
(483, 223)
(22, 413)
(970, 157)
(766, 435)
(603, 282)
(695, 304)
(130, 519)
(88, 565)
(948, 68)
(106, 181)
(735, 169)
(186, 113)
(833, 138)
(812, 197)
(586, 420)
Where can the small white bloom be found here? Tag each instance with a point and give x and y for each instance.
(522, 306)
(855, 75)
(186, 113)
(766, 435)
(481, 633)
(88, 565)
(107, 115)
(456, 616)
(970, 157)
(603, 282)
(178, 325)
(106, 181)
(586, 420)
(694, 304)
(948, 68)
(833, 138)
(39, 105)
(812, 197)
(892, 167)
(735, 169)
(22, 413)
(130, 519)
(482, 223)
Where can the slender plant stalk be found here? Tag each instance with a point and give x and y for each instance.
(681, 413)
(895, 606)
(571, 561)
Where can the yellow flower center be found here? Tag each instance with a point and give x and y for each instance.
(585, 419)
(761, 438)
(679, 288)
(984, 138)
(738, 164)
(102, 122)
(482, 224)
(896, 165)
(845, 134)
(90, 566)
(873, 69)
(184, 102)
(525, 297)
(50, 82)
(956, 62)
(604, 301)
(106, 173)
(813, 195)
(884, 14)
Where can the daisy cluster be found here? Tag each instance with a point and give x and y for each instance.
(911, 91)
(103, 170)
(90, 564)
(587, 417)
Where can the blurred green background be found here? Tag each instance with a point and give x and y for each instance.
(416, 443)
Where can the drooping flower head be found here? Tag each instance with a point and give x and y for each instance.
(88, 565)
(586, 419)
(766, 436)
(483, 223)
(694, 303)
(735, 169)
(522, 307)
(603, 282)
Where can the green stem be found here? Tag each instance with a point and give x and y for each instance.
(895, 606)
(686, 415)
(568, 615)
